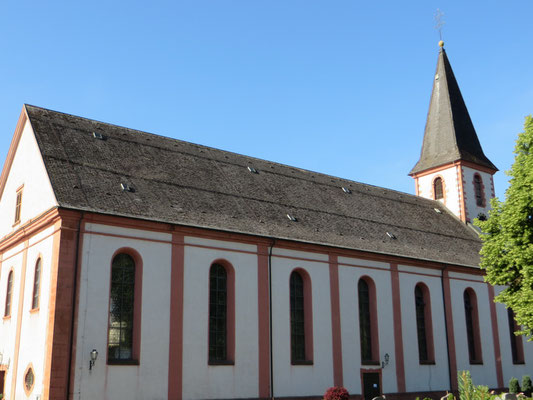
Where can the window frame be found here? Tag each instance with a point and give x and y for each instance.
(9, 294)
(372, 332)
(479, 190)
(427, 324)
(229, 358)
(307, 311)
(473, 337)
(137, 309)
(517, 347)
(440, 179)
(18, 205)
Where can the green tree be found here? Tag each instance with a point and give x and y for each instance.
(507, 252)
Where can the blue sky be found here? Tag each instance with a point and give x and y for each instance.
(339, 87)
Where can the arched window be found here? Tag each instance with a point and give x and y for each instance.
(368, 321)
(221, 337)
(124, 310)
(36, 285)
(517, 348)
(424, 328)
(9, 294)
(301, 316)
(478, 190)
(472, 327)
(438, 190)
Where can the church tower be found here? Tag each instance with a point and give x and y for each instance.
(452, 167)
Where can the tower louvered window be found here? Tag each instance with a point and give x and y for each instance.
(478, 189)
(121, 308)
(438, 189)
(218, 313)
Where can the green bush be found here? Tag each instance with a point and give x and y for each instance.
(527, 387)
(513, 386)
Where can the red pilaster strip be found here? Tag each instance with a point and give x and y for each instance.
(449, 329)
(398, 337)
(175, 359)
(495, 337)
(263, 320)
(335, 320)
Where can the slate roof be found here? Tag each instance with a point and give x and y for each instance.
(183, 183)
(449, 135)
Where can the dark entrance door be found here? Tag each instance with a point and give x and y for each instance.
(2, 379)
(371, 385)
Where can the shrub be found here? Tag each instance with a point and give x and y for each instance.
(466, 388)
(527, 387)
(513, 386)
(336, 393)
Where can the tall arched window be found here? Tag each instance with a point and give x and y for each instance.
(221, 335)
(424, 328)
(124, 310)
(36, 285)
(368, 321)
(438, 190)
(300, 313)
(478, 190)
(9, 294)
(472, 327)
(517, 348)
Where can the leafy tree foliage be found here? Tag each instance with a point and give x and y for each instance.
(507, 252)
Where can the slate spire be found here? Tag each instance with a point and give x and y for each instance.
(449, 135)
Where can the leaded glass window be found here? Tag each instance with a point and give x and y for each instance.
(9, 294)
(36, 285)
(365, 328)
(121, 309)
(297, 317)
(438, 190)
(420, 305)
(218, 313)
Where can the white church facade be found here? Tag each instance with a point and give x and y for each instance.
(134, 266)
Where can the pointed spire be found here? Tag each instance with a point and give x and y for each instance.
(449, 135)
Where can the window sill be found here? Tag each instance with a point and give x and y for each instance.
(122, 362)
(302, 362)
(6, 317)
(34, 310)
(370, 362)
(476, 362)
(220, 362)
(427, 362)
(520, 362)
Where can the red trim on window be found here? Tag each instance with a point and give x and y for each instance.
(449, 329)
(335, 320)
(137, 306)
(482, 189)
(429, 323)
(308, 314)
(398, 336)
(443, 188)
(374, 332)
(230, 311)
(263, 312)
(495, 337)
(26, 390)
(519, 344)
(39, 258)
(175, 361)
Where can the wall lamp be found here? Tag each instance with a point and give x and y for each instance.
(94, 356)
(385, 361)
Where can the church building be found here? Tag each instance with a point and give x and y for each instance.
(136, 266)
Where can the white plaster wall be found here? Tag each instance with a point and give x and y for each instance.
(423, 377)
(484, 374)
(349, 308)
(301, 380)
(509, 369)
(28, 170)
(34, 324)
(8, 326)
(149, 379)
(452, 196)
(472, 209)
(200, 380)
